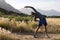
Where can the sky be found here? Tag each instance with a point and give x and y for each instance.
(40, 4)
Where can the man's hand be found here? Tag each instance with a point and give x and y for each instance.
(36, 20)
(27, 7)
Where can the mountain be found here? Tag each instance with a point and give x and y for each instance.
(7, 7)
(51, 12)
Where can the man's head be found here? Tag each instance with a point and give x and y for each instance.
(32, 13)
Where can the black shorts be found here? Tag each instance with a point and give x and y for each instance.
(42, 21)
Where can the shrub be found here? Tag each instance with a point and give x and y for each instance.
(18, 18)
(33, 24)
(24, 27)
(4, 23)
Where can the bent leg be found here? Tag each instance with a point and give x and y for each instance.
(39, 25)
(36, 32)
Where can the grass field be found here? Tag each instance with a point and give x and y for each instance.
(54, 20)
(17, 26)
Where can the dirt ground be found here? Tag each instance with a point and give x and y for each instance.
(40, 37)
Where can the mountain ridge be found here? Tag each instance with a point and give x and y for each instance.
(51, 12)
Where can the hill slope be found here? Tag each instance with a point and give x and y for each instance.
(7, 7)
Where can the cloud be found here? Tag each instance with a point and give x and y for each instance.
(42, 4)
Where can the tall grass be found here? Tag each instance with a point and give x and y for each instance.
(22, 26)
(16, 26)
(4, 23)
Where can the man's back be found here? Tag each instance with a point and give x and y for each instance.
(38, 15)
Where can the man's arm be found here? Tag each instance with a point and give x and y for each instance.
(31, 8)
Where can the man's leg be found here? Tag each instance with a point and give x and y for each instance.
(45, 24)
(36, 32)
(39, 25)
(46, 32)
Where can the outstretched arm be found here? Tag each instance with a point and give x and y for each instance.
(31, 8)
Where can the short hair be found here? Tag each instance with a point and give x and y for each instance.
(32, 13)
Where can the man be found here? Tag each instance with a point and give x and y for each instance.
(42, 20)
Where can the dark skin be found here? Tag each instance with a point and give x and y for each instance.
(31, 8)
(33, 13)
